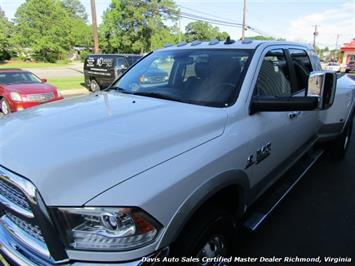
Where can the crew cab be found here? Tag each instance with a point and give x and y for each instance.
(136, 173)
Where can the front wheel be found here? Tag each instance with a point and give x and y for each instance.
(208, 235)
(5, 108)
(339, 146)
(94, 86)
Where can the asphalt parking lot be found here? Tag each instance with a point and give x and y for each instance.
(70, 71)
(316, 219)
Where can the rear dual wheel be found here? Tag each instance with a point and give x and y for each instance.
(339, 146)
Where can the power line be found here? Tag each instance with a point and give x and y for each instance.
(204, 13)
(215, 21)
(222, 23)
(219, 21)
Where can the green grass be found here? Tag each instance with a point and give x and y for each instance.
(67, 83)
(22, 64)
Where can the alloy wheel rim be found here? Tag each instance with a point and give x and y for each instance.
(215, 247)
(4, 108)
(94, 86)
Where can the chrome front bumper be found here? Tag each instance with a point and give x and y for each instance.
(11, 249)
(14, 254)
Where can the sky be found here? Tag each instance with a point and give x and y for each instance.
(293, 20)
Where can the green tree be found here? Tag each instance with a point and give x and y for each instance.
(137, 26)
(265, 38)
(43, 26)
(203, 31)
(5, 33)
(80, 34)
(260, 38)
(76, 9)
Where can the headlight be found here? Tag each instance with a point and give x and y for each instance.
(15, 96)
(107, 229)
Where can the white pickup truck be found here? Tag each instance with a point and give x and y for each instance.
(143, 171)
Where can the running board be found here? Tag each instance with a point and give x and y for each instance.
(280, 190)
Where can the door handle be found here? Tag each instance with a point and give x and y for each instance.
(294, 115)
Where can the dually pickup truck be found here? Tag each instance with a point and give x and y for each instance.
(139, 171)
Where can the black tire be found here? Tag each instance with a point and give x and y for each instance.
(208, 226)
(2, 103)
(339, 146)
(94, 86)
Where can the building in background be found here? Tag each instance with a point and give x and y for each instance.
(347, 53)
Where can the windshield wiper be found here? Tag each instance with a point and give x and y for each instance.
(157, 95)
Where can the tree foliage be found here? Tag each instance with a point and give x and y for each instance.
(50, 28)
(260, 38)
(5, 33)
(265, 38)
(80, 34)
(203, 31)
(42, 26)
(76, 9)
(137, 26)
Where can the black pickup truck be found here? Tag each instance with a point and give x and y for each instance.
(100, 70)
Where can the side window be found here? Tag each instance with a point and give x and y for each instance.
(302, 66)
(158, 72)
(274, 77)
(121, 62)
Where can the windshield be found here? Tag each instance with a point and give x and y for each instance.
(206, 77)
(18, 78)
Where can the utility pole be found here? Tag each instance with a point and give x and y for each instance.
(244, 15)
(94, 27)
(179, 26)
(315, 34)
(337, 41)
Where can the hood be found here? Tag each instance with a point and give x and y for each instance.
(30, 88)
(72, 150)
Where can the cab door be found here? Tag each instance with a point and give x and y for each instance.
(306, 122)
(274, 133)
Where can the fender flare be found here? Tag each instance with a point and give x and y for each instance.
(350, 117)
(200, 196)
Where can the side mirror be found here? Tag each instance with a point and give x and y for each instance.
(44, 80)
(320, 96)
(323, 85)
(122, 67)
(283, 104)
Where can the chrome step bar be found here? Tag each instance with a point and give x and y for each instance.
(254, 221)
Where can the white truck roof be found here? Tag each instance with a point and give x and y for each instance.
(215, 44)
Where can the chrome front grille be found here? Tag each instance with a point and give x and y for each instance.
(17, 200)
(14, 195)
(31, 229)
(40, 97)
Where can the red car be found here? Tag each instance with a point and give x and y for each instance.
(20, 89)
